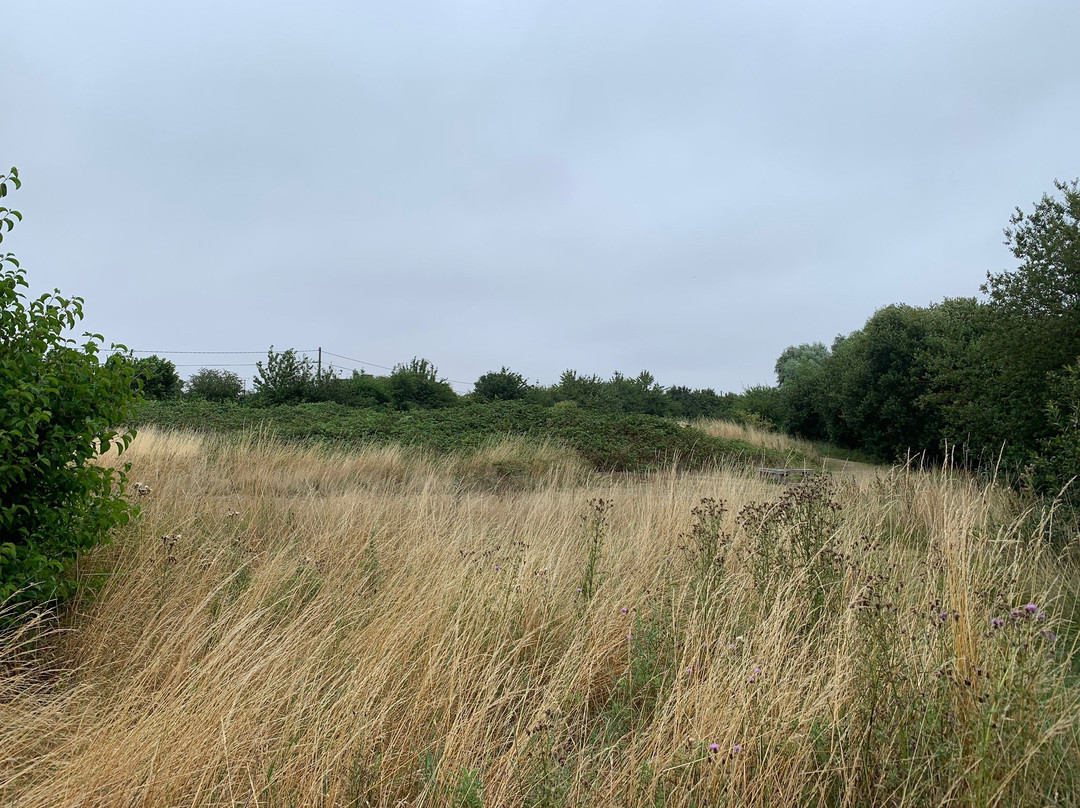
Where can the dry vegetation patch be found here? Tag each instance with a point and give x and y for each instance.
(291, 626)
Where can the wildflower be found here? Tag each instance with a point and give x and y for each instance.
(689, 671)
(736, 749)
(757, 671)
(1031, 608)
(714, 747)
(624, 610)
(996, 622)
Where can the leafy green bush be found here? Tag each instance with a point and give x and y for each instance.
(157, 378)
(59, 409)
(417, 386)
(504, 385)
(284, 379)
(214, 384)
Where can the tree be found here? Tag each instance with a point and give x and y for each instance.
(157, 378)
(214, 384)
(874, 385)
(590, 392)
(60, 408)
(284, 379)
(1036, 307)
(799, 376)
(640, 394)
(702, 403)
(799, 359)
(758, 406)
(505, 385)
(358, 390)
(416, 385)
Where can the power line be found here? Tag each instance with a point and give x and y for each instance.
(252, 364)
(294, 350)
(381, 367)
(357, 361)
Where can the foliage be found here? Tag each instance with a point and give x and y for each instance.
(979, 383)
(61, 409)
(416, 385)
(504, 385)
(875, 383)
(700, 403)
(1057, 464)
(157, 378)
(1036, 326)
(797, 360)
(357, 390)
(285, 378)
(215, 384)
(759, 406)
(606, 441)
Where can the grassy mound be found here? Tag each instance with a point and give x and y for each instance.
(607, 442)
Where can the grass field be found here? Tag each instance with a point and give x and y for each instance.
(507, 626)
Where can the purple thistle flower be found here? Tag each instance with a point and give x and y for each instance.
(736, 749)
(714, 747)
(624, 610)
(1031, 608)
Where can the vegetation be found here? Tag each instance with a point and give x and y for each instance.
(213, 384)
(294, 625)
(606, 441)
(59, 410)
(985, 384)
(157, 379)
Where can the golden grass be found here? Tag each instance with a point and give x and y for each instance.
(752, 434)
(382, 627)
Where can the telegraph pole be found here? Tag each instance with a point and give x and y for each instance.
(318, 372)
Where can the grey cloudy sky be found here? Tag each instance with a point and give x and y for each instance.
(686, 188)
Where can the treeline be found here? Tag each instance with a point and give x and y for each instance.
(287, 378)
(988, 383)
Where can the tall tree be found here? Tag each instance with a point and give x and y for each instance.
(1036, 327)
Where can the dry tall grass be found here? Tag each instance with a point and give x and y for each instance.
(287, 627)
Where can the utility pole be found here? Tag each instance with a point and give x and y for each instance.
(318, 372)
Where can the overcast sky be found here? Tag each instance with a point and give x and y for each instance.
(686, 188)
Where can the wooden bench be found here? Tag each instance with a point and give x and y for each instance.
(781, 475)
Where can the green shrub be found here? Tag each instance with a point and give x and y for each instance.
(417, 386)
(157, 378)
(213, 384)
(505, 385)
(285, 378)
(59, 409)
